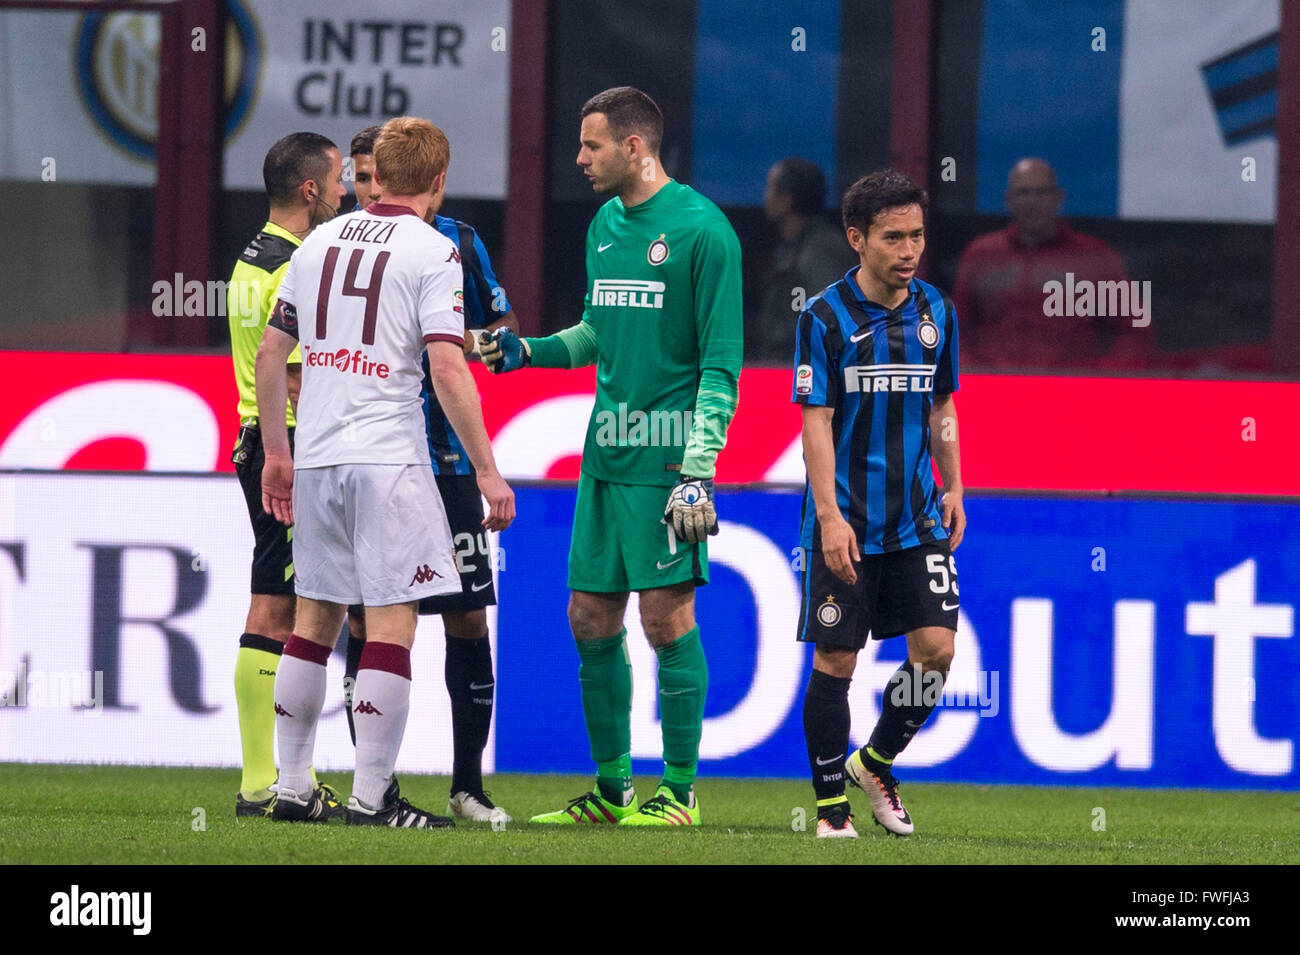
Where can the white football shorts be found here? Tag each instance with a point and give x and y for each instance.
(373, 534)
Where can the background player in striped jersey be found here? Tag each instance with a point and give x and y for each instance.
(304, 184)
(468, 670)
(370, 523)
(875, 369)
(663, 324)
(362, 153)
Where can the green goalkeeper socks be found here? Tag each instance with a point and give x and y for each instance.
(683, 684)
(606, 677)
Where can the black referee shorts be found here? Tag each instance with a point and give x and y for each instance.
(272, 541)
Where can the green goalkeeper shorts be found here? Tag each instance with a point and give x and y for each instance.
(620, 545)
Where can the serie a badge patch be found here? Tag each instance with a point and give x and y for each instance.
(829, 613)
(657, 254)
(928, 333)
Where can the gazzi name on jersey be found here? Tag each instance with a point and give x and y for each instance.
(873, 378)
(361, 229)
(628, 293)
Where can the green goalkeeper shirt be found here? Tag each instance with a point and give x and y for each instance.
(662, 320)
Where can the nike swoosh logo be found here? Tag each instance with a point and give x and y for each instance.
(663, 566)
(602, 248)
(672, 692)
(915, 726)
(827, 762)
(860, 335)
(481, 686)
(477, 587)
(946, 607)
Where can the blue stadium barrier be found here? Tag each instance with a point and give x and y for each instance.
(1186, 607)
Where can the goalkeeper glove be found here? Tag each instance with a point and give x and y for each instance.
(690, 511)
(503, 351)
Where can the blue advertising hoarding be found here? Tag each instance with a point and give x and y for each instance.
(1101, 642)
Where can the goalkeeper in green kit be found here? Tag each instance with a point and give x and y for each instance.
(663, 324)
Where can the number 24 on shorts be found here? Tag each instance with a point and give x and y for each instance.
(469, 545)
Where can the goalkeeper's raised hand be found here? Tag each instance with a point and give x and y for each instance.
(690, 512)
(503, 351)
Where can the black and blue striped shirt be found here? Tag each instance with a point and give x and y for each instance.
(878, 368)
(485, 303)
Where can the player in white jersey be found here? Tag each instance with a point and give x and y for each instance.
(364, 297)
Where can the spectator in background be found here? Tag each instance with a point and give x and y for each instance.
(999, 292)
(812, 255)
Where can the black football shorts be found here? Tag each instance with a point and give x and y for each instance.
(464, 506)
(272, 541)
(895, 592)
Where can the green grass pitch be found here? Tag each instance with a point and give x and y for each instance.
(134, 815)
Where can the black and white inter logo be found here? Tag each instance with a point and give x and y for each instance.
(828, 614)
(657, 254)
(928, 333)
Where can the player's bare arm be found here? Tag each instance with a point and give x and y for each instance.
(946, 451)
(272, 393)
(293, 377)
(839, 543)
(454, 386)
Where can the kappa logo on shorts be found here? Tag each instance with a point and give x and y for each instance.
(829, 613)
(281, 711)
(423, 575)
(367, 708)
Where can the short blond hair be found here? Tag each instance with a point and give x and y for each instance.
(410, 154)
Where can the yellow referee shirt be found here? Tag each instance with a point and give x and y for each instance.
(250, 296)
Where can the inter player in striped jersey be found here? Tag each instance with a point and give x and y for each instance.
(376, 289)
(875, 370)
(304, 185)
(361, 152)
(663, 324)
(468, 668)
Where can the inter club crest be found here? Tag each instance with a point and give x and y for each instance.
(829, 613)
(657, 254)
(928, 333)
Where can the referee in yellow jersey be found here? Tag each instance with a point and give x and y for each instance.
(304, 185)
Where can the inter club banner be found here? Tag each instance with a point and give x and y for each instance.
(176, 413)
(329, 67)
(1170, 112)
